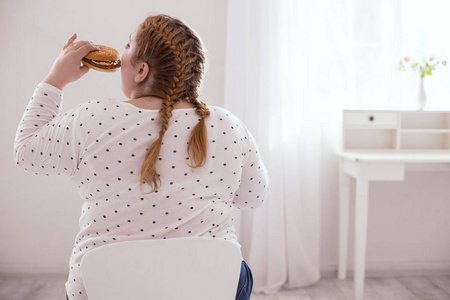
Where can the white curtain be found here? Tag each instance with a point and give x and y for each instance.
(285, 62)
(268, 90)
(291, 67)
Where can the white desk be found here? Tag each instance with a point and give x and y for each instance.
(366, 167)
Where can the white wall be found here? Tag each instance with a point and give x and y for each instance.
(39, 215)
(408, 221)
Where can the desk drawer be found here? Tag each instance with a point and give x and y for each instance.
(370, 119)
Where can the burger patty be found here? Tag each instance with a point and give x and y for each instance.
(103, 65)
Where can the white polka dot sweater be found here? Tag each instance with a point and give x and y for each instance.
(101, 145)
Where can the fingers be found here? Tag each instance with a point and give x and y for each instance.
(84, 48)
(81, 46)
(79, 49)
(85, 44)
(70, 41)
(84, 69)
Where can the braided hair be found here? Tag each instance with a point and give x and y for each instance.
(176, 60)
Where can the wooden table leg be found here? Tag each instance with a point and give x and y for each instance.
(361, 210)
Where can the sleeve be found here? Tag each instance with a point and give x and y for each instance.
(254, 186)
(47, 141)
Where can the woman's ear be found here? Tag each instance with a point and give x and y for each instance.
(143, 71)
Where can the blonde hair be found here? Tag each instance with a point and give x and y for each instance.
(176, 59)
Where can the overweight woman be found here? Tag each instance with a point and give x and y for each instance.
(160, 165)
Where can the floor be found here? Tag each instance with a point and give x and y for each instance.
(51, 287)
(383, 288)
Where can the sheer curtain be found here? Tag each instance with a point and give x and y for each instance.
(292, 67)
(268, 86)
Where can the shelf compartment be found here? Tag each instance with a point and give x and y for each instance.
(425, 131)
(370, 138)
(425, 120)
(413, 140)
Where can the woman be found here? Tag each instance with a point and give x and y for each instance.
(160, 165)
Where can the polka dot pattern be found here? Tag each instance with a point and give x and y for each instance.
(101, 145)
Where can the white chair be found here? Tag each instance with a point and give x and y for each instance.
(170, 269)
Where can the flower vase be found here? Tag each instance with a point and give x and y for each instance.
(422, 97)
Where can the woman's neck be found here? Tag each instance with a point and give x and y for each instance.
(152, 102)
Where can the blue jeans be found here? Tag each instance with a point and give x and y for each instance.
(245, 284)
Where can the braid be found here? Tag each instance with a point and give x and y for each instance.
(197, 140)
(176, 62)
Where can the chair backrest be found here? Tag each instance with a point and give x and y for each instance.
(170, 269)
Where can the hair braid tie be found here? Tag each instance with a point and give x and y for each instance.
(201, 108)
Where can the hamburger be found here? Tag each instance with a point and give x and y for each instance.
(106, 59)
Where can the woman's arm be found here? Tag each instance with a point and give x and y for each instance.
(254, 186)
(47, 142)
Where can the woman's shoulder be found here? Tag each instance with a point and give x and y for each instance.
(225, 117)
(219, 111)
(103, 106)
(96, 109)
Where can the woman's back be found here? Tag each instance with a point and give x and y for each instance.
(102, 145)
(189, 202)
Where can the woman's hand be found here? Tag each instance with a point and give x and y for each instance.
(67, 67)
